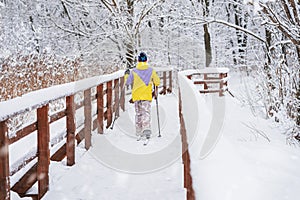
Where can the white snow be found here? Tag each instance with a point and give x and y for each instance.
(248, 159)
(119, 167)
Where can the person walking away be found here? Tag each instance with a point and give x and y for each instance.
(142, 77)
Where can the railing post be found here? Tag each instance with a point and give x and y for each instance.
(87, 118)
(164, 90)
(117, 98)
(43, 150)
(109, 103)
(4, 162)
(100, 113)
(225, 82)
(170, 82)
(71, 128)
(122, 96)
(205, 77)
(221, 76)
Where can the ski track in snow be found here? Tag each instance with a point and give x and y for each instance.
(243, 165)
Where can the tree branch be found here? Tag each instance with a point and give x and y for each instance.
(239, 28)
(295, 11)
(137, 26)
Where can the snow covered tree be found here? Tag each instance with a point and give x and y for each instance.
(130, 16)
(281, 19)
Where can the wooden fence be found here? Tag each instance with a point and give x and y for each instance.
(187, 179)
(111, 93)
(212, 80)
(108, 97)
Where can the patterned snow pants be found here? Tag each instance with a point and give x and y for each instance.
(142, 116)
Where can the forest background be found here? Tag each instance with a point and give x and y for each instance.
(45, 43)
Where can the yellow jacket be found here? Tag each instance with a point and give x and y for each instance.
(142, 77)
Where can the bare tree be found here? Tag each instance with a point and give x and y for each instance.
(130, 17)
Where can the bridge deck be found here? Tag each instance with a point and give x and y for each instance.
(119, 167)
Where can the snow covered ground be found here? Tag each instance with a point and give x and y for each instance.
(119, 167)
(250, 160)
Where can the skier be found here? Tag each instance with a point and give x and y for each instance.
(142, 77)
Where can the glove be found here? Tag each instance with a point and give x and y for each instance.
(127, 72)
(154, 93)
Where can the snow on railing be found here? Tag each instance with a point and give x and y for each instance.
(210, 80)
(89, 104)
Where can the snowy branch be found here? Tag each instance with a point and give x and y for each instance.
(144, 14)
(238, 28)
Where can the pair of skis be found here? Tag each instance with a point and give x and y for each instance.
(145, 140)
(146, 136)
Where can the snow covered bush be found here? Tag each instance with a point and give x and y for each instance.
(20, 74)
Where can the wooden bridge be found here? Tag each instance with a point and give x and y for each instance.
(98, 101)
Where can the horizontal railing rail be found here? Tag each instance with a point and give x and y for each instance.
(211, 80)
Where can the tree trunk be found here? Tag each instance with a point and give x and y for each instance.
(267, 70)
(208, 56)
(241, 21)
(298, 92)
(130, 42)
(207, 39)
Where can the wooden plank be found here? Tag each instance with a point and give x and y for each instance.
(199, 81)
(60, 154)
(94, 124)
(188, 184)
(26, 182)
(117, 98)
(80, 136)
(79, 105)
(100, 114)
(87, 118)
(109, 103)
(23, 132)
(221, 93)
(43, 150)
(57, 116)
(4, 162)
(122, 96)
(25, 161)
(210, 91)
(205, 84)
(164, 90)
(71, 128)
(169, 90)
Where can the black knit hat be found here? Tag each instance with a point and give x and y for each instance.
(142, 57)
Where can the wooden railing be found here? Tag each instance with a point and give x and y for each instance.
(212, 80)
(208, 80)
(187, 179)
(108, 96)
(101, 99)
(167, 80)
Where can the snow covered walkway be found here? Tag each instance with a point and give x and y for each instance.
(250, 161)
(119, 167)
